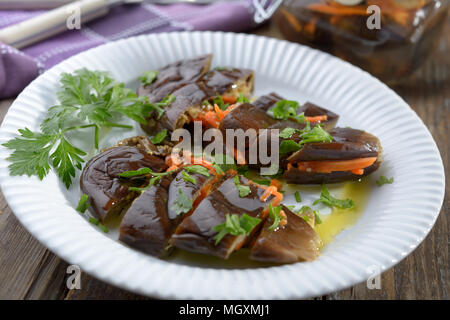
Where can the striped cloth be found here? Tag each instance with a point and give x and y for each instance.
(18, 68)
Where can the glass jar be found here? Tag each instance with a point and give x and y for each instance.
(388, 38)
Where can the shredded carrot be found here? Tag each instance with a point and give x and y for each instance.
(327, 9)
(272, 191)
(229, 99)
(276, 183)
(336, 165)
(212, 118)
(317, 118)
(358, 171)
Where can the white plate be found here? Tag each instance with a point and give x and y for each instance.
(397, 217)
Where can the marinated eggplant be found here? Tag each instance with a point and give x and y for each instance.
(153, 216)
(100, 179)
(174, 76)
(351, 155)
(293, 242)
(196, 233)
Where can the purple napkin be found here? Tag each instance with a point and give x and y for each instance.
(18, 68)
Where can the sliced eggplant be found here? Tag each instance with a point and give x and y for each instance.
(196, 233)
(295, 241)
(174, 76)
(348, 144)
(151, 219)
(108, 194)
(230, 81)
(146, 225)
(267, 101)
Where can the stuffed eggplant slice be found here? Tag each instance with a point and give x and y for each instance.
(350, 155)
(197, 232)
(108, 193)
(153, 216)
(189, 94)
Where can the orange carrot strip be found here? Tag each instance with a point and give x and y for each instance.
(267, 193)
(317, 118)
(276, 183)
(336, 165)
(229, 99)
(358, 171)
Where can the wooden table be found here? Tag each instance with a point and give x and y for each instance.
(29, 271)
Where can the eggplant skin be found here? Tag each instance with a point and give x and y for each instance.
(196, 232)
(146, 225)
(295, 176)
(294, 242)
(174, 76)
(100, 181)
(230, 81)
(267, 101)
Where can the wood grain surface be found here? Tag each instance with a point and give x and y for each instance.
(29, 271)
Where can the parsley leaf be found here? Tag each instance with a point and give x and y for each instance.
(88, 99)
(383, 180)
(197, 169)
(286, 109)
(182, 204)
(98, 224)
(327, 199)
(148, 77)
(83, 204)
(242, 98)
(235, 226)
(275, 215)
(286, 133)
(220, 103)
(308, 135)
(243, 190)
(188, 178)
(317, 217)
(159, 137)
(316, 134)
(288, 146)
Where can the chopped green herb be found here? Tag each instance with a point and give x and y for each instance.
(218, 169)
(242, 99)
(383, 180)
(134, 173)
(263, 182)
(98, 224)
(159, 137)
(223, 68)
(316, 134)
(198, 169)
(243, 170)
(220, 103)
(286, 133)
(93, 221)
(291, 207)
(83, 204)
(235, 226)
(243, 190)
(182, 204)
(303, 209)
(305, 218)
(327, 199)
(275, 216)
(188, 178)
(288, 146)
(286, 109)
(298, 197)
(148, 77)
(317, 217)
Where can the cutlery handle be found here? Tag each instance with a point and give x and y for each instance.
(53, 22)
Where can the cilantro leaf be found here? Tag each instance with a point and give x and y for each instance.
(286, 133)
(243, 190)
(235, 226)
(83, 204)
(327, 199)
(148, 77)
(383, 180)
(159, 137)
(316, 134)
(182, 204)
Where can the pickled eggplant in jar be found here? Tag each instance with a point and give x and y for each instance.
(388, 38)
